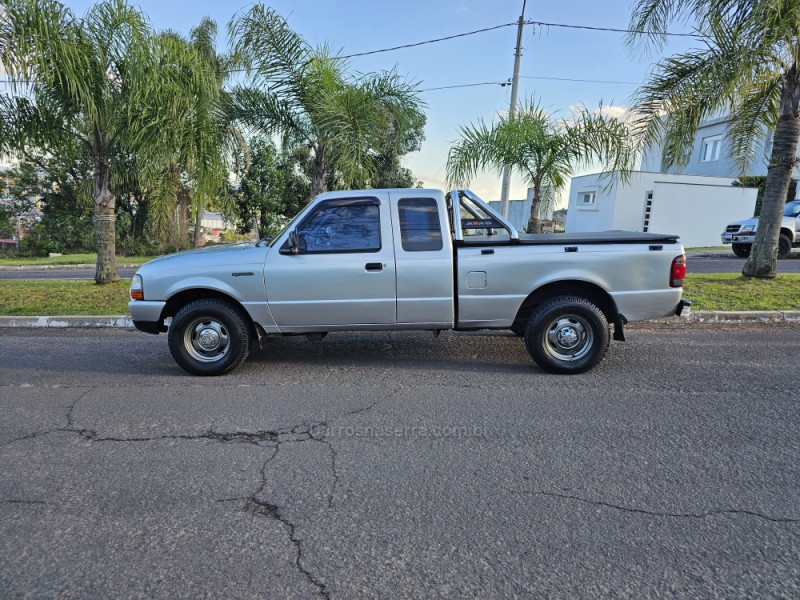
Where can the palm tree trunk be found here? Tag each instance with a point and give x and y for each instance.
(763, 260)
(319, 184)
(535, 222)
(198, 219)
(104, 229)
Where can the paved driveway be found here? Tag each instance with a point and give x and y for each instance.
(399, 465)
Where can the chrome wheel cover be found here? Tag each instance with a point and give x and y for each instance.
(568, 338)
(207, 340)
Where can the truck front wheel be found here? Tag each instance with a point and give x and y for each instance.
(741, 250)
(568, 335)
(209, 337)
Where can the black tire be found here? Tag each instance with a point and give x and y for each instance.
(742, 250)
(784, 246)
(567, 335)
(209, 337)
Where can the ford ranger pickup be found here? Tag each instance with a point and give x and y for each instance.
(409, 259)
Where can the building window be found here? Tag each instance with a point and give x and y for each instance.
(711, 147)
(586, 198)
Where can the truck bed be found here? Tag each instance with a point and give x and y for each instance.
(556, 239)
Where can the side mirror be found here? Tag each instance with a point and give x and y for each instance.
(294, 243)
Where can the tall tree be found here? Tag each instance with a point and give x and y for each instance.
(748, 67)
(309, 97)
(102, 80)
(273, 189)
(544, 150)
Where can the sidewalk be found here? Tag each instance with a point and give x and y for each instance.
(124, 321)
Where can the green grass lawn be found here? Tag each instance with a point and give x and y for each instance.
(48, 297)
(732, 291)
(700, 248)
(70, 259)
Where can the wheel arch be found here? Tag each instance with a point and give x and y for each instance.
(571, 287)
(180, 299)
(788, 233)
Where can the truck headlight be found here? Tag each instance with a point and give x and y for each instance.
(748, 229)
(137, 288)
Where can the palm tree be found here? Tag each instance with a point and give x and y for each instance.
(192, 162)
(748, 67)
(313, 101)
(544, 150)
(100, 80)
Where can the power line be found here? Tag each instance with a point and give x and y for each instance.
(466, 85)
(433, 41)
(508, 82)
(613, 29)
(540, 23)
(580, 80)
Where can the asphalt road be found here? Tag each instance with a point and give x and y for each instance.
(728, 262)
(398, 465)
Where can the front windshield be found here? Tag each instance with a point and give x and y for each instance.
(286, 228)
(792, 209)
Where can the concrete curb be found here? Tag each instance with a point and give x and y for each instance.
(737, 316)
(124, 321)
(85, 322)
(62, 267)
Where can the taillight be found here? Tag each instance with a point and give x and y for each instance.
(677, 272)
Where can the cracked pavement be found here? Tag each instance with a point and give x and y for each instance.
(399, 465)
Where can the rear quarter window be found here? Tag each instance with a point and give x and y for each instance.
(420, 229)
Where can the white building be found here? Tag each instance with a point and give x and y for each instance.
(695, 207)
(214, 220)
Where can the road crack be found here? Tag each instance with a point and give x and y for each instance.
(653, 513)
(254, 437)
(255, 505)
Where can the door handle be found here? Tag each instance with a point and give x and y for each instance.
(374, 267)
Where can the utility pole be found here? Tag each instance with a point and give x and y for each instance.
(513, 107)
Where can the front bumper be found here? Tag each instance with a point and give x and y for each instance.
(154, 327)
(738, 238)
(146, 315)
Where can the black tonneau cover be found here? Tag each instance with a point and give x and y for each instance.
(566, 239)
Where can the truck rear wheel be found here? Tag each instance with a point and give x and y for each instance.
(567, 335)
(741, 250)
(209, 337)
(784, 246)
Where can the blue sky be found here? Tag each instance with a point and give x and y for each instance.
(360, 25)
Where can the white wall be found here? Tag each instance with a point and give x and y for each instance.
(698, 213)
(695, 207)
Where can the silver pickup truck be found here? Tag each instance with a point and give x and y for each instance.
(409, 259)
(742, 234)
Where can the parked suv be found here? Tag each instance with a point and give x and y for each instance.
(741, 234)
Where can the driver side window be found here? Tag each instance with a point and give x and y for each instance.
(341, 226)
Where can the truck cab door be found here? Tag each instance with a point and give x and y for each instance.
(343, 271)
(424, 259)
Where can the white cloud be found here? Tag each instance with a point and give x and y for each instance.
(462, 9)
